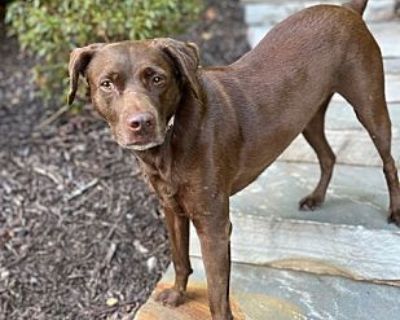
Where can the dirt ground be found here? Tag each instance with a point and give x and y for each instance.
(80, 235)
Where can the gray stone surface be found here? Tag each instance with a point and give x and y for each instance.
(387, 35)
(357, 195)
(354, 252)
(316, 297)
(392, 65)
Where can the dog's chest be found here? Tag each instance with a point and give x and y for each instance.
(179, 196)
(164, 186)
(179, 187)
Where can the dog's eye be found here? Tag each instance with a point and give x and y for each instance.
(106, 84)
(157, 80)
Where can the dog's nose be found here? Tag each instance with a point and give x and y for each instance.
(141, 121)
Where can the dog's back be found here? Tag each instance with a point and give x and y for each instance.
(286, 78)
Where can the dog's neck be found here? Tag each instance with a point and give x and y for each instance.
(180, 138)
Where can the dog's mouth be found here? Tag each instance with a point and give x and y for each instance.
(140, 146)
(146, 144)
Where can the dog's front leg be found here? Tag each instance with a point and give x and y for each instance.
(178, 232)
(214, 229)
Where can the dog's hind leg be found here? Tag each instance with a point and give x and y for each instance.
(315, 136)
(363, 87)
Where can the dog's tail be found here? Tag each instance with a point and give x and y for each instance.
(357, 5)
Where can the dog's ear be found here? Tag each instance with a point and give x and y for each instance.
(185, 56)
(78, 62)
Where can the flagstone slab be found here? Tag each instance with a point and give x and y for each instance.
(392, 65)
(194, 308)
(356, 196)
(348, 236)
(353, 252)
(262, 293)
(387, 35)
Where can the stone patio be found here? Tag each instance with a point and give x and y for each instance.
(346, 241)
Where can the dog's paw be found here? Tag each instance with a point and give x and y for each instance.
(310, 203)
(170, 297)
(395, 217)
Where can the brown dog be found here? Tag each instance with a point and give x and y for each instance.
(202, 134)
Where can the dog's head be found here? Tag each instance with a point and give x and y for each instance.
(136, 86)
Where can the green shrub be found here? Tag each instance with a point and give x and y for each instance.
(50, 29)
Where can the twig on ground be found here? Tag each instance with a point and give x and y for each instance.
(52, 176)
(110, 254)
(76, 193)
(53, 117)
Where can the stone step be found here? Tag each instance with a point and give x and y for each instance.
(353, 252)
(194, 308)
(262, 293)
(357, 196)
(348, 236)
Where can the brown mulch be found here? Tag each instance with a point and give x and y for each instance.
(77, 224)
